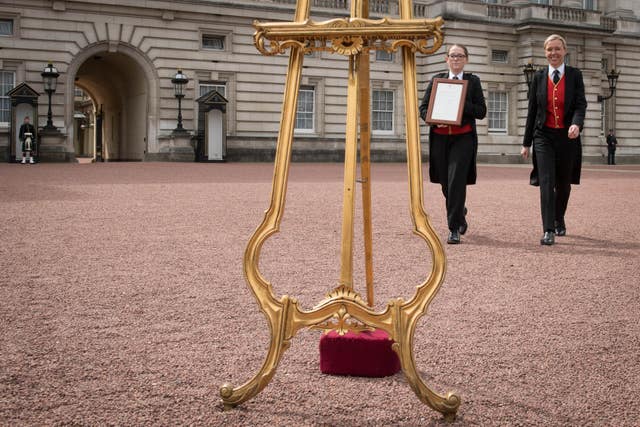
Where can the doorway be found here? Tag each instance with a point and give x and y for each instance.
(84, 123)
(110, 108)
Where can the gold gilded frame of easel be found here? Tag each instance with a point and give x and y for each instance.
(343, 309)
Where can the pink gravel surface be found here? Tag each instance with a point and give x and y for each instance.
(123, 300)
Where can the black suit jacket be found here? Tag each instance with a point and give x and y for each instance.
(575, 108)
(24, 128)
(474, 108)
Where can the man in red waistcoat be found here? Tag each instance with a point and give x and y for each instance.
(557, 107)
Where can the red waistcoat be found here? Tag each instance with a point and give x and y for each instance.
(555, 104)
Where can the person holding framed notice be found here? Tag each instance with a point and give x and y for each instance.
(452, 103)
(557, 107)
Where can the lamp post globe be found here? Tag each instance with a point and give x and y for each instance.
(50, 80)
(179, 81)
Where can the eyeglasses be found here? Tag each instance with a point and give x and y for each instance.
(457, 56)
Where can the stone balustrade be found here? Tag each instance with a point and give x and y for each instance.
(496, 11)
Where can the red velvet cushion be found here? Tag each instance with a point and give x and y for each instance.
(366, 354)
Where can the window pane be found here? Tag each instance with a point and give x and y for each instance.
(221, 88)
(383, 55)
(382, 110)
(6, 27)
(5, 112)
(304, 113)
(7, 81)
(499, 56)
(497, 112)
(212, 42)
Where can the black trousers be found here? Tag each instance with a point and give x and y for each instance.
(453, 155)
(611, 158)
(555, 157)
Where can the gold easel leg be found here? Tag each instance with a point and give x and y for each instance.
(447, 405)
(231, 396)
(407, 316)
(365, 159)
(278, 312)
(350, 161)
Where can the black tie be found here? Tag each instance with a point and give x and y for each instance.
(556, 76)
(455, 78)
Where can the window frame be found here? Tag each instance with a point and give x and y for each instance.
(214, 35)
(306, 89)
(492, 110)
(506, 56)
(4, 97)
(390, 59)
(213, 85)
(13, 26)
(392, 112)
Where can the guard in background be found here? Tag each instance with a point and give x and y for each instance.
(27, 137)
(612, 142)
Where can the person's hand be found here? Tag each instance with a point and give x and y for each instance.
(574, 131)
(524, 152)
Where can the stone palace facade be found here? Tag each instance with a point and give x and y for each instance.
(115, 100)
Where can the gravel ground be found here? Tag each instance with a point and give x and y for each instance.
(123, 300)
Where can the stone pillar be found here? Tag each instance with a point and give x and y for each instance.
(175, 147)
(620, 8)
(53, 147)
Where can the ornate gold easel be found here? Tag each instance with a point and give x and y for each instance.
(343, 309)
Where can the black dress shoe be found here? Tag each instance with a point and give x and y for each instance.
(548, 238)
(560, 228)
(454, 237)
(463, 228)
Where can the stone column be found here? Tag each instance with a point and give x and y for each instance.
(53, 147)
(622, 8)
(175, 147)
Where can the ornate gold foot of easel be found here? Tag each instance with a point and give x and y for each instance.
(343, 309)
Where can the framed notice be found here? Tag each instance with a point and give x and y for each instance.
(446, 103)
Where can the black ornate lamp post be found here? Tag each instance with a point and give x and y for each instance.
(50, 79)
(179, 82)
(613, 80)
(529, 70)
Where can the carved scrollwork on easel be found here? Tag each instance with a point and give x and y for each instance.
(344, 293)
(342, 322)
(348, 36)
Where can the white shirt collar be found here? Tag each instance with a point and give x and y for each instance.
(459, 76)
(560, 69)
